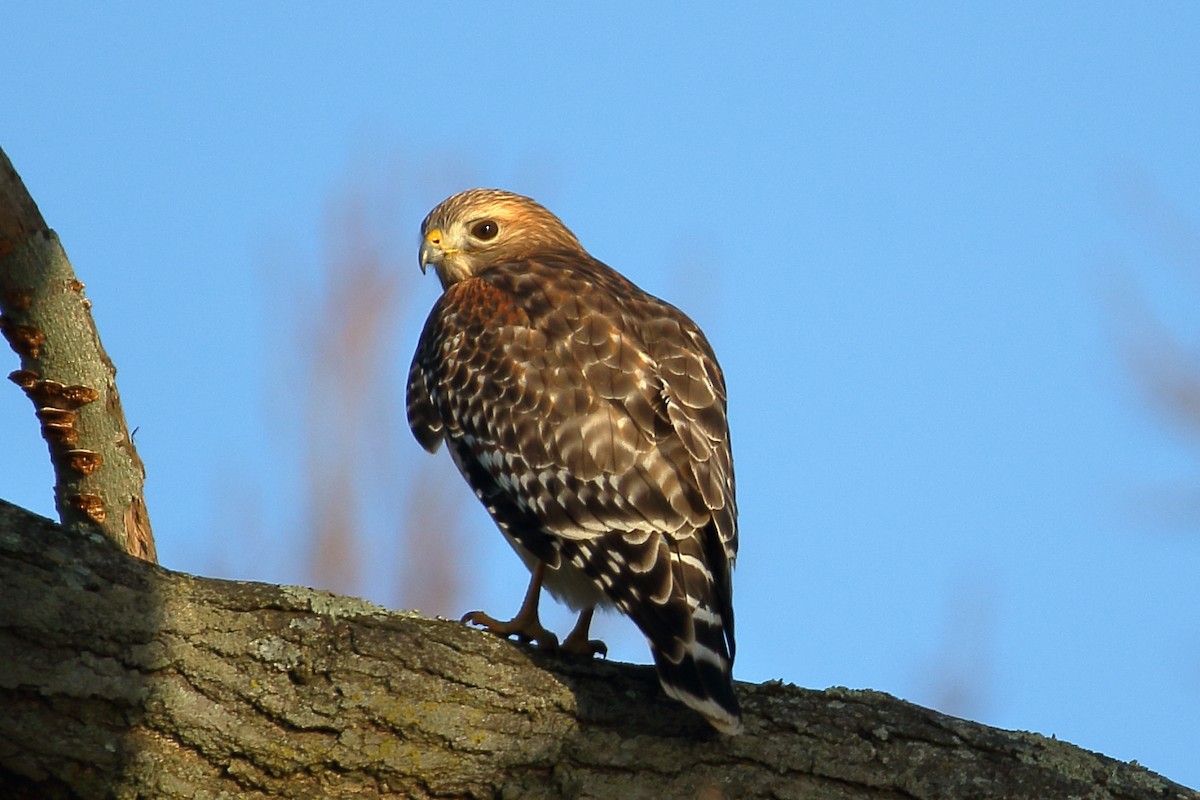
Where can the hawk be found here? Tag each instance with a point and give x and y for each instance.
(589, 417)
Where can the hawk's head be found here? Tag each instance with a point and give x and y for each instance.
(473, 230)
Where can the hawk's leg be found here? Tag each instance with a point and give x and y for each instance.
(577, 640)
(525, 625)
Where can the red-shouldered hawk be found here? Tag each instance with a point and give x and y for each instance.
(589, 418)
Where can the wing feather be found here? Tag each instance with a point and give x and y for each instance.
(568, 368)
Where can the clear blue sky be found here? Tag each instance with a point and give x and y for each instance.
(919, 238)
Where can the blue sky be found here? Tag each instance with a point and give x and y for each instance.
(922, 240)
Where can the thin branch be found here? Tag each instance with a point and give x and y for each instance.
(68, 376)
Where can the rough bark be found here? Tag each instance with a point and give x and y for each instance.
(122, 679)
(68, 376)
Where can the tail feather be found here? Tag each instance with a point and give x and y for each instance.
(678, 592)
(697, 670)
(702, 678)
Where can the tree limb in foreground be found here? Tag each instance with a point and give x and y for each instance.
(69, 377)
(122, 679)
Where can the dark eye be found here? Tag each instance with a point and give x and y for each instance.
(485, 229)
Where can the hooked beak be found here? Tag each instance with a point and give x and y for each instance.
(431, 249)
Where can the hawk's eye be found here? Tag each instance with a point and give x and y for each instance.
(485, 230)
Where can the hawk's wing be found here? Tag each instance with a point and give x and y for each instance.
(598, 404)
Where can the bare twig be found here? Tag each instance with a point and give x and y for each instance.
(68, 376)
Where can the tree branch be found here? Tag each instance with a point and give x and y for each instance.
(122, 679)
(68, 376)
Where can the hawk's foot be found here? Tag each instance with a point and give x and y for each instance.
(577, 641)
(525, 627)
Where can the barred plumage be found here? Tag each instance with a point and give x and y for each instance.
(590, 419)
